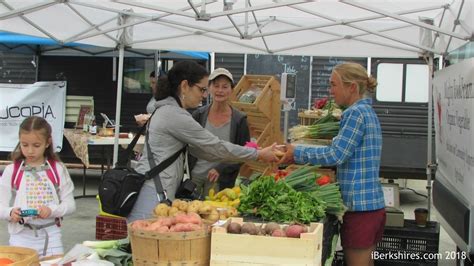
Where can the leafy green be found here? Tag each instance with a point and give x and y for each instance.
(279, 202)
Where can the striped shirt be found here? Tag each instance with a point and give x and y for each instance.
(356, 152)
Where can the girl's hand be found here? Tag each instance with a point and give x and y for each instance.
(44, 212)
(213, 175)
(15, 215)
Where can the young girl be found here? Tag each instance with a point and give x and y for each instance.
(36, 191)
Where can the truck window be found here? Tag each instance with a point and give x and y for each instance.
(402, 83)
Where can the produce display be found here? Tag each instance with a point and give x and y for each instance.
(180, 223)
(205, 209)
(229, 197)
(300, 196)
(325, 127)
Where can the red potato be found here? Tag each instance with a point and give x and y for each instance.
(278, 233)
(295, 230)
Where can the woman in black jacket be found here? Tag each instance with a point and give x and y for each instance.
(228, 124)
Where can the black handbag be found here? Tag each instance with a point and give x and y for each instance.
(119, 187)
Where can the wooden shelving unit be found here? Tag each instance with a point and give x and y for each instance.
(263, 115)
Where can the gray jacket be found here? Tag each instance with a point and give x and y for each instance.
(170, 129)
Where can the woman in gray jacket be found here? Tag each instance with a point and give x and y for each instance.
(171, 128)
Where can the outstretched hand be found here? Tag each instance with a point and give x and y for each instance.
(267, 155)
(287, 153)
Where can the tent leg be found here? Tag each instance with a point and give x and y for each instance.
(429, 161)
(118, 105)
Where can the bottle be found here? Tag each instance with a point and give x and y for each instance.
(93, 128)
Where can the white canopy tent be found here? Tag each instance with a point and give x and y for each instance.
(355, 28)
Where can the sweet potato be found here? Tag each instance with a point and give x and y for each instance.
(185, 227)
(140, 224)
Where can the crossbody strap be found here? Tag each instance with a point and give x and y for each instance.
(123, 161)
(154, 172)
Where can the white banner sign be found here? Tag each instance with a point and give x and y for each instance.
(453, 96)
(18, 101)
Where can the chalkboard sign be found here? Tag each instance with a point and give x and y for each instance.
(258, 64)
(322, 69)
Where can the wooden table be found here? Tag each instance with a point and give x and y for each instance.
(80, 142)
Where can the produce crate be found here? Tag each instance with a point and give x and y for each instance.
(263, 115)
(174, 248)
(235, 249)
(410, 239)
(110, 228)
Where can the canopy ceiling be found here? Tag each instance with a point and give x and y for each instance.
(375, 28)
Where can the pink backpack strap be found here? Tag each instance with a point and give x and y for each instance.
(17, 174)
(53, 175)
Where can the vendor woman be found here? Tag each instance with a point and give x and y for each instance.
(356, 152)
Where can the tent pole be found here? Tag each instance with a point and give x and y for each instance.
(118, 104)
(429, 162)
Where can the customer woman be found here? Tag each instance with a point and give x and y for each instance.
(171, 128)
(356, 152)
(228, 124)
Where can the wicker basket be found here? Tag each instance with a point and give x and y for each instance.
(175, 248)
(20, 256)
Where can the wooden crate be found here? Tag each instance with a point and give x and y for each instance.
(263, 115)
(174, 248)
(233, 249)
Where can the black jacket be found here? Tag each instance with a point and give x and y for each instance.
(239, 134)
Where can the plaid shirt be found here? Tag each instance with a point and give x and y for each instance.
(356, 151)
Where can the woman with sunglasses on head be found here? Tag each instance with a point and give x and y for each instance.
(171, 128)
(228, 124)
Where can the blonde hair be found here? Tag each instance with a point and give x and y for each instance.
(356, 73)
(42, 127)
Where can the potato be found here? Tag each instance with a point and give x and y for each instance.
(234, 228)
(176, 203)
(173, 211)
(270, 227)
(279, 233)
(205, 209)
(161, 210)
(295, 230)
(183, 206)
(249, 228)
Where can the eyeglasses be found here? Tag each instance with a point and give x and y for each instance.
(203, 89)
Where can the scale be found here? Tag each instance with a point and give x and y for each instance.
(287, 98)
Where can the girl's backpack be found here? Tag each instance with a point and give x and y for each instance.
(17, 175)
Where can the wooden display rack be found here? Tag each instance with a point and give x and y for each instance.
(263, 115)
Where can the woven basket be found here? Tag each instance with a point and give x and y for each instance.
(21, 256)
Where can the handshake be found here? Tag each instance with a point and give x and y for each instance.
(276, 154)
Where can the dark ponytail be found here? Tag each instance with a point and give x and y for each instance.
(168, 85)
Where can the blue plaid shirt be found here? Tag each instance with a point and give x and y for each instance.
(356, 152)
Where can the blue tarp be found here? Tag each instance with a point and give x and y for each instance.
(13, 38)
